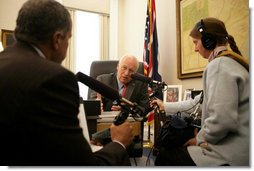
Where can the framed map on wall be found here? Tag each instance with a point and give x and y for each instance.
(235, 15)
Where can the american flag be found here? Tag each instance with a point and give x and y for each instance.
(151, 53)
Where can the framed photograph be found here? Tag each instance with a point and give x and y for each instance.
(173, 93)
(187, 94)
(7, 37)
(188, 12)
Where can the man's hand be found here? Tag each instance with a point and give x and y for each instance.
(122, 133)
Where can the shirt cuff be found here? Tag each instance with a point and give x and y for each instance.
(119, 143)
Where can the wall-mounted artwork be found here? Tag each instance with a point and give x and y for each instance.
(7, 37)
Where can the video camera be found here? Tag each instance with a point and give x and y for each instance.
(135, 149)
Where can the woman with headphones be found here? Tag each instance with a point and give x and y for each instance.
(224, 135)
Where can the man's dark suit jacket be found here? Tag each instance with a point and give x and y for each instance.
(39, 103)
(136, 91)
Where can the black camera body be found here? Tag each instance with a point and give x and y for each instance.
(135, 149)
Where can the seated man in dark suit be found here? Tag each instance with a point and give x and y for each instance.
(133, 90)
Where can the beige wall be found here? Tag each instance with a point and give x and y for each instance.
(100, 6)
(8, 13)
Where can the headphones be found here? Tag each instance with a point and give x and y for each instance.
(208, 40)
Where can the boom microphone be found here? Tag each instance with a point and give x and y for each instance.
(140, 77)
(103, 89)
(98, 86)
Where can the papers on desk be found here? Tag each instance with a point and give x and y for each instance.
(109, 116)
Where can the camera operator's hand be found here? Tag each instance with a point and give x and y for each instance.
(157, 102)
(122, 133)
(192, 141)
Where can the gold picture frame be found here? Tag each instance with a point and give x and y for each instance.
(188, 12)
(7, 37)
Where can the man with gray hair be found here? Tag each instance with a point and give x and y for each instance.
(133, 90)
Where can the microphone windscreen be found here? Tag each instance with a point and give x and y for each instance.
(141, 77)
(98, 86)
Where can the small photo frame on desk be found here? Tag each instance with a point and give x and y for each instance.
(7, 37)
(191, 93)
(173, 93)
(187, 94)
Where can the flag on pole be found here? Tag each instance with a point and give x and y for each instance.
(151, 53)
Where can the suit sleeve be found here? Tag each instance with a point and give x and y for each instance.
(63, 141)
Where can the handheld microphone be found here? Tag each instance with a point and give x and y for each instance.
(140, 77)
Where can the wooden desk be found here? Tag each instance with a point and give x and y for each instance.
(95, 126)
(137, 127)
